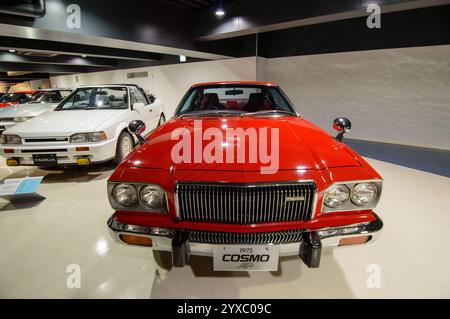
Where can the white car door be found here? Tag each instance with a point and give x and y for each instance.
(147, 113)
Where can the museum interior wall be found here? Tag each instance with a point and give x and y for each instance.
(396, 96)
(399, 96)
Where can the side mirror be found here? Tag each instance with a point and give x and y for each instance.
(138, 107)
(342, 125)
(137, 127)
(151, 98)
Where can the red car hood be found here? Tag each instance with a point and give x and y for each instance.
(301, 145)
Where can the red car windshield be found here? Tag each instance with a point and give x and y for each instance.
(234, 99)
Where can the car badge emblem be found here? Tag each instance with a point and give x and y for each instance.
(294, 198)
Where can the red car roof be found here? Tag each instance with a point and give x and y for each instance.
(235, 83)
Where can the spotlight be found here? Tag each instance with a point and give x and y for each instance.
(220, 11)
(83, 55)
(12, 51)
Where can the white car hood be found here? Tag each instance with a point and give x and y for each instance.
(64, 123)
(26, 110)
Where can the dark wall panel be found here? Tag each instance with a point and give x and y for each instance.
(421, 27)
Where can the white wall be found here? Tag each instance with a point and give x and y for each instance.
(169, 82)
(396, 96)
(43, 84)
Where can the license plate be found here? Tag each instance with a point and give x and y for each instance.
(246, 257)
(45, 159)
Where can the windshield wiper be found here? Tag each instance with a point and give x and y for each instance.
(210, 113)
(267, 112)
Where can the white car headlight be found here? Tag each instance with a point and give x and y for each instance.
(125, 195)
(11, 139)
(88, 137)
(153, 196)
(363, 193)
(98, 136)
(21, 119)
(336, 195)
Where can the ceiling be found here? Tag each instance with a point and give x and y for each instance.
(192, 4)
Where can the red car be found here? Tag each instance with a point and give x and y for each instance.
(238, 175)
(18, 97)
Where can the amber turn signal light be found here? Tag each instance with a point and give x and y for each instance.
(83, 161)
(81, 149)
(136, 240)
(12, 162)
(354, 240)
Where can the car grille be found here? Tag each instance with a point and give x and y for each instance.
(245, 203)
(45, 140)
(282, 237)
(6, 119)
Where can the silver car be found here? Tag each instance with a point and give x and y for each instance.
(42, 101)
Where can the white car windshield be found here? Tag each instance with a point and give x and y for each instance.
(97, 98)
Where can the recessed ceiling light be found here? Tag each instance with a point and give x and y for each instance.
(220, 11)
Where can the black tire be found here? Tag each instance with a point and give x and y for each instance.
(162, 119)
(124, 137)
(163, 259)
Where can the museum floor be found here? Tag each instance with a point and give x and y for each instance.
(69, 227)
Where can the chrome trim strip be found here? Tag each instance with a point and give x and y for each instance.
(116, 229)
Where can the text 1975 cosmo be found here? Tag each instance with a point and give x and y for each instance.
(238, 175)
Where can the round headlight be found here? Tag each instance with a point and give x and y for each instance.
(125, 195)
(153, 197)
(363, 193)
(336, 195)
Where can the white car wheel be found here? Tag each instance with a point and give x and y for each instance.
(125, 145)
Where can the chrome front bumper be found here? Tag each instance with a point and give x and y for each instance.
(163, 239)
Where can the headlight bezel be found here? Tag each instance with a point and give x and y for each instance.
(21, 119)
(5, 139)
(349, 205)
(89, 137)
(140, 205)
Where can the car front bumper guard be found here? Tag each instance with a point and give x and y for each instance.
(309, 248)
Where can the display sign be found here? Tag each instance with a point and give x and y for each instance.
(246, 257)
(20, 186)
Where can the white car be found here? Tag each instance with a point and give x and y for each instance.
(42, 101)
(88, 126)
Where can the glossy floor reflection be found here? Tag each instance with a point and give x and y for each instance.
(39, 241)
